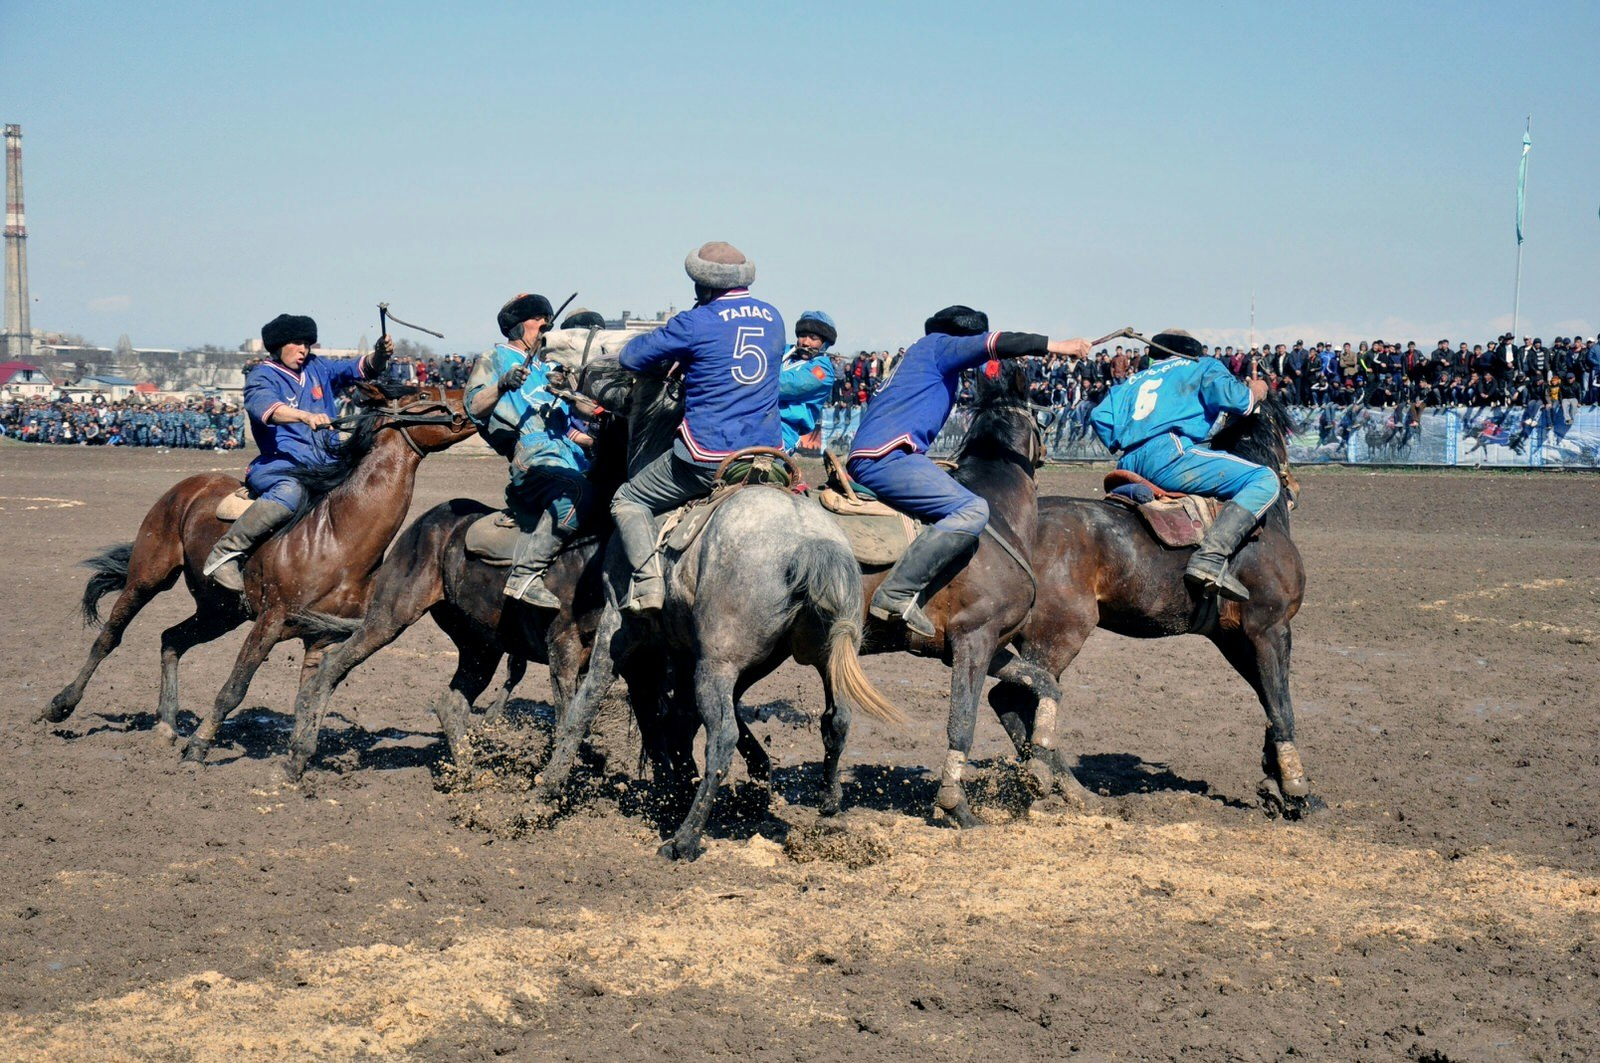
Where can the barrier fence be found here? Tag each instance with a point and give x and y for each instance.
(1538, 435)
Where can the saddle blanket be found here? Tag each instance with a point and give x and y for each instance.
(1175, 520)
(491, 538)
(233, 505)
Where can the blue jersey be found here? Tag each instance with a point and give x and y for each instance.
(911, 408)
(730, 350)
(312, 390)
(532, 425)
(1174, 395)
(803, 386)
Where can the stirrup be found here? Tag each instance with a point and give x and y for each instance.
(216, 561)
(530, 590)
(645, 595)
(1221, 583)
(911, 615)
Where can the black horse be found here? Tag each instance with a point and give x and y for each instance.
(1098, 566)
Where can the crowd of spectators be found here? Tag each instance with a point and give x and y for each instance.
(201, 424)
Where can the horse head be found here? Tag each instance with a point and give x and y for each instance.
(1003, 420)
(429, 416)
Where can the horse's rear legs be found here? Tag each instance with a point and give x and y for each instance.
(835, 733)
(204, 626)
(134, 597)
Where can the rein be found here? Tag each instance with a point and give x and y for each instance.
(402, 418)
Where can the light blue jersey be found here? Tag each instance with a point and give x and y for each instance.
(1173, 396)
(532, 426)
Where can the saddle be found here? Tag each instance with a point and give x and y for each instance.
(751, 467)
(233, 505)
(491, 538)
(1176, 520)
(878, 533)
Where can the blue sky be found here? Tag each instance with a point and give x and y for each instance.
(194, 169)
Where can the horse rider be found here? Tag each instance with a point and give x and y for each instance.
(1157, 423)
(728, 348)
(807, 377)
(889, 454)
(288, 397)
(510, 397)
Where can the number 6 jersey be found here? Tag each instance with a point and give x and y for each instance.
(1174, 395)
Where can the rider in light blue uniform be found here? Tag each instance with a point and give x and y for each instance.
(1157, 421)
(889, 454)
(510, 397)
(807, 377)
(288, 397)
(728, 347)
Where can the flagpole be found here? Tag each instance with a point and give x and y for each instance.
(1522, 183)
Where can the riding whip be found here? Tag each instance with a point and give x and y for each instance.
(384, 317)
(528, 361)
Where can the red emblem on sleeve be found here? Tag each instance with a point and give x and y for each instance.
(819, 372)
(316, 391)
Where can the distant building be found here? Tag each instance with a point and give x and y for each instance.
(21, 380)
(114, 388)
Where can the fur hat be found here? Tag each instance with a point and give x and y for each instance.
(816, 323)
(584, 318)
(288, 328)
(719, 266)
(957, 320)
(1175, 339)
(520, 308)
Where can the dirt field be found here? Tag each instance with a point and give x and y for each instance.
(1445, 905)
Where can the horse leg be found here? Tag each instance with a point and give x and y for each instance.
(835, 732)
(516, 668)
(266, 633)
(208, 623)
(1030, 688)
(971, 654)
(1262, 658)
(575, 718)
(476, 660)
(713, 690)
(134, 597)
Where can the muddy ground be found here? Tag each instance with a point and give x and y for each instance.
(1444, 906)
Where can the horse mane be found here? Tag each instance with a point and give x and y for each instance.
(653, 419)
(991, 431)
(320, 480)
(1262, 437)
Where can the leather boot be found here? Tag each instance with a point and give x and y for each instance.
(1208, 568)
(647, 591)
(225, 564)
(530, 559)
(924, 559)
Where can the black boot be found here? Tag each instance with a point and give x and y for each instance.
(1208, 568)
(225, 564)
(924, 559)
(530, 559)
(637, 529)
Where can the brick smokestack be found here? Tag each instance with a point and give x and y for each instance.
(17, 341)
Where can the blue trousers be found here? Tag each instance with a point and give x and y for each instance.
(913, 484)
(275, 485)
(562, 493)
(1175, 464)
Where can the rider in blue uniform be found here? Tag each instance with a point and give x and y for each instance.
(807, 377)
(509, 397)
(288, 397)
(728, 348)
(889, 454)
(1156, 422)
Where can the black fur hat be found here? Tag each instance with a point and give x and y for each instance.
(1176, 339)
(288, 328)
(522, 308)
(581, 318)
(957, 321)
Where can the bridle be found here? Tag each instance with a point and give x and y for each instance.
(415, 413)
(1035, 453)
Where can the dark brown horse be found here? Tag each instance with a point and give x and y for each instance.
(1098, 566)
(984, 604)
(430, 573)
(318, 566)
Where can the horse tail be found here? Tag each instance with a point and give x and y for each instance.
(831, 582)
(110, 568)
(310, 622)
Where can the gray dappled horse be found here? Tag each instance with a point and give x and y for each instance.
(770, 577)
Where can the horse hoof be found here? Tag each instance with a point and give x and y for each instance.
(1038, 778)
(960, 817)
(1296, 787)
(673, 849)
(165, 733)
(194, 752)
(55, 712)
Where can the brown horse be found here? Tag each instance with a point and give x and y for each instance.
(430, 573)
(1098, 566)
(983, 605)
(318, 566)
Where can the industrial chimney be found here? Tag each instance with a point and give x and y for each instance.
(16, 344)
